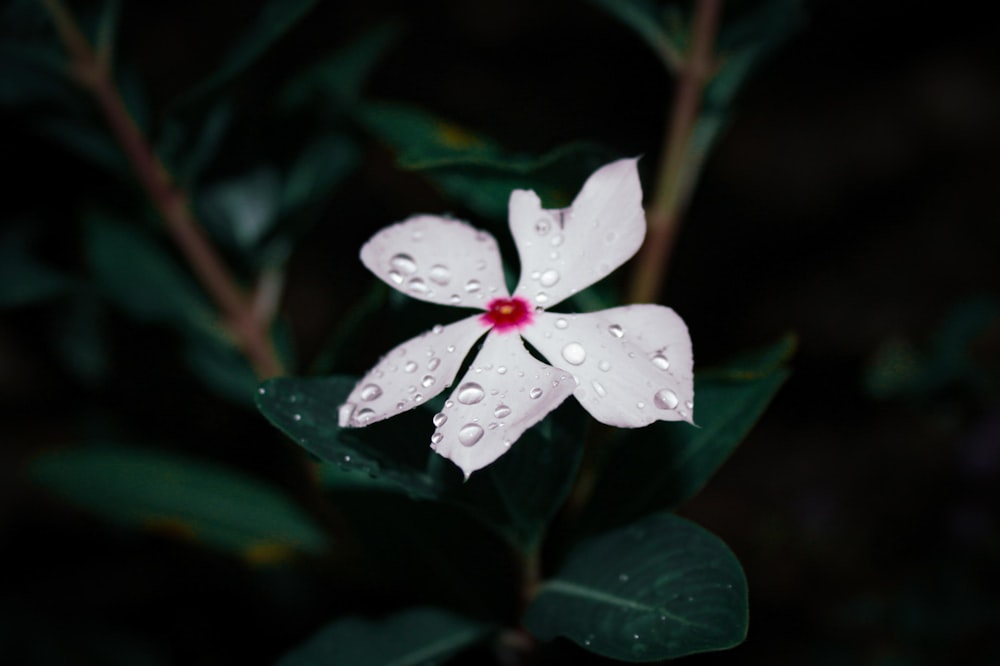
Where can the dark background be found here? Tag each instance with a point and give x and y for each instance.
(852, 201)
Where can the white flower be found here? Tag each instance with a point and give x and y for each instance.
(628, 366)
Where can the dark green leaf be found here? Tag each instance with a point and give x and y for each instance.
(183, 497)
(78, 336)
(659, 589)
(189, 150)
(90, 142)
(645, 19)
(323, 164)
(276, 18)
(23, 279)
(35, 74)
(242, 210)
(222, 368)
(413, 637)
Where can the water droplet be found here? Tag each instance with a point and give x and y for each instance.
(417, 285)
(395, 277)
(640, 404)
(347, 459)
(449, 404)
(403, 263)
(371, 392)
(436, 438)
(470, 393)
(418, 398)
(553, 255)
(536, 275)
(689, 404)
(599, 388)
(616, 330)
(535, 393)
(574, 353)
(411, 366)
(455, 299)
(623, 577)
(501, 369)
(450, 348)
(604, 366)
(297, 417)
(502, 411)
(470, 434)
(433, 364)
(427, 381)
(439, 274)
(439, 419)
(481, 265)
(364, 416)
(561, 323)
(556, 240)
(665, 399)
(549, 278)
(472, 286)
(541, 297)
(661, 362)
(418, 235)
(262, 390)
(542, 226)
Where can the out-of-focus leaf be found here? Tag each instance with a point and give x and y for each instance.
(222, 368)
(276, 18)
(243, 209)
(658, 589)
(106, 33)
(78, 336)
(188, 150)
(35, 74)
(660, 466)
(338, 79)
(410, 638)
(473, 169)
(323, 164)
(88, 141)
(23, 279)
(646, 20)
(183, 497)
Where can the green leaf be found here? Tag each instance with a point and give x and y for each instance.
(413, 637)
(243, 209)
(183, 497)
(645, 19)
(322, 165)
(276, 18)
(659, 589)
(88, 141)
(661, 466)
(78, 335)
(35, 74)
(23, 279)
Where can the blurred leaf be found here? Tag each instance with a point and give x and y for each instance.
(472, 168)
(23, 279)
(276, 18)
(34, 74)
(188, 155)
(243, 209)
(646, 20)
(322, 165)
(659, 589)
(106, 33)
(338, 78)
(222, 368)
(664, 464)
(409, 638)
(89, 141)
(78, 336)
(183, 497)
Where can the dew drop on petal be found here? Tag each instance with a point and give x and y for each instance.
(395, 277)
(411, 366)
(535, 393)
(556, 240)
(433, 363)
(403, 263)
(297, 417)
(455, 299)
(364, 416)
(439, 274)
(661, 362)
(574, 353)
(616, 330)
(689, 404)
(501, 369)
(541, 297)
(599, 389)
(536, 275)
(502, 411)
(450, 348)
(371, 392)
(417, 285)
(640, 404)
(470, 434)
(561, 323)
(473, 286)
(665, 399)
(427, 381)
(549, 278)
(542, 226)
(604, 366)
(470, 393)
(439, 419)
(436, 438)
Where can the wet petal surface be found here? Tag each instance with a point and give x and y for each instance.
(439, 260)
(633, 364)
(564, 251)
(411, 373)
(505, 392)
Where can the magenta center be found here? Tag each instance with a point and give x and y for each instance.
(505, 314)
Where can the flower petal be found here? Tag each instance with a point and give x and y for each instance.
(505, 392)
(438, 260)
(411, 373)
(564, 251)
(633, 363)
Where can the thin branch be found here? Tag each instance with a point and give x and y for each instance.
(664, 214)
(170, 201)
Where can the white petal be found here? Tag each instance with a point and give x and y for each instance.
(505, 392)
(633, 363)
(411, 373)
(438, 260)
(564, 251)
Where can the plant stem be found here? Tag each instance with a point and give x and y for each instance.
(664, 214)
(171, 202)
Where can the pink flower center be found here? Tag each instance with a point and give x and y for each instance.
(505, 314)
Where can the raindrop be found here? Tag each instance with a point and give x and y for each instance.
(436, 438)
(549, 278)
(455, 298)
(640, 404)
(433, 364)
(411, 366)
(364, 416)
(417, 285)
(439, 274)
(535, 393)
(604, 366)
(403, 263)
(472, 286)
(437, 329)
(661, 362)
(556, 240)
(418, 398)
(561, 323)
(470, 393)
(439, 419)
(541, 297)
(542, 226)
(493, 426)
(449, 404)
(599, 388)
(450, 348)
(502, 411)
(501, 369)
(371, 392)
(427, 381)
(616, 330)
(665, 399)
(470, 434)
(574, 353)
(536, 275)
(297, 417)
(395, 277)
(689, 404)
